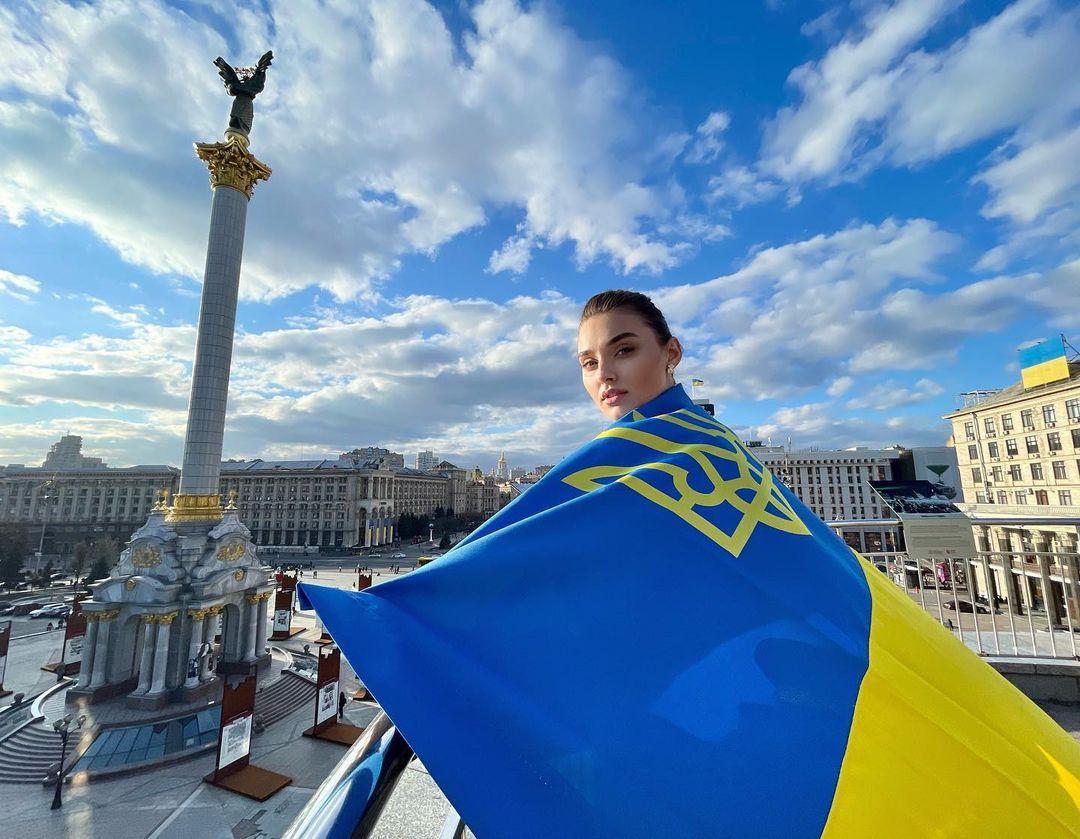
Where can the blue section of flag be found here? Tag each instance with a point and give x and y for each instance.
(594, 664)
(1044, 351)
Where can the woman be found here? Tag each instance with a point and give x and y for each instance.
(627, 353)
(764, 682)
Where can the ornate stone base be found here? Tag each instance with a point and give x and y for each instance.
(89, 696)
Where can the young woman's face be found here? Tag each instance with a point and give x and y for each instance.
(623, 363)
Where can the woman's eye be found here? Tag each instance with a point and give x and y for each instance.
(588, 365)
(624, 350)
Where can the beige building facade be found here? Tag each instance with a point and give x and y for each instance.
(1019, 456)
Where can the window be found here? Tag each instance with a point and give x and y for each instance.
(1053, 441)
(1002, 497)
(1021, 497)
(1006, 423)
(1072, 410)
(1015, 473)
(1048, 415)
(1027, 419)
(1065, 497)
(1076, 438)
(997, 473)
(991, 429)
(973, 451)
(969, 430)
(980, 497)
(1032, 444)
(1036, 472)
(1041, 497)
(994, 449)
(976, 475)
(1059, 469)
(1010, 447)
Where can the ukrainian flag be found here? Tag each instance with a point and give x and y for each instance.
(1043, 363)
(659, 640)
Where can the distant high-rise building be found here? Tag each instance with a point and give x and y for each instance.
(518, 472)
(502, 471)
(67, 454)
(370, 454)
(426, 461)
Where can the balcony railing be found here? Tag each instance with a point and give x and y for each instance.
(1011, 603)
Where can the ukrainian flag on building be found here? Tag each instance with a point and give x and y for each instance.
(1043, 363)
(659, 640)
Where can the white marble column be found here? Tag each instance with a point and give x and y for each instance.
(161, 651)
(89, 643)
(146, 657)
(101, 649)
(209, 631)
(260, 626)
(250, 628)
(197, 618)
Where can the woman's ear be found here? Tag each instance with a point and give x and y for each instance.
(674, 352)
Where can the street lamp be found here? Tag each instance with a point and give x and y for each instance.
(63, 728)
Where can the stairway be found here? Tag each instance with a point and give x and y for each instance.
(26, 755)
(279, 699)
(54, 708)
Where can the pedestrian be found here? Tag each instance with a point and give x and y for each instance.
(315, 574)
(49, 627)
(341, 704)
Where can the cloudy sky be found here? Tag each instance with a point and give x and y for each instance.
(849, 212)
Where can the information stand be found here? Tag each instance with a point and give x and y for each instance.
(5, 640)
(363, 580)
(233, 771)
(72, 649)
(283, 609)
(327, 688)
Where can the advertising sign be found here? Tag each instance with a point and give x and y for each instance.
(934, 528)
(235, 741)
(328, 699)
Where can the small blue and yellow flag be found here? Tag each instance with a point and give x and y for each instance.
(660, 640)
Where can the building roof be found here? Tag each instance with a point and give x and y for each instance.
(1016, 391)
(89, 471)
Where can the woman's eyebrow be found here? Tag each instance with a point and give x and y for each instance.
(614, 340)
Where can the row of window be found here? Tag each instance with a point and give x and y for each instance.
(1031, 445)
(1059, 467)
(1027, 419)
(1064, 497)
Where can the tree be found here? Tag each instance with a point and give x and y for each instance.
(444, 543)
(13, 550)
(80, 558)
(99, 570)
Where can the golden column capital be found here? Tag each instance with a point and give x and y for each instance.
(169, 617)
(232, 165)
(189, 507)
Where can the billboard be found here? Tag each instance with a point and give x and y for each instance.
(934, 527)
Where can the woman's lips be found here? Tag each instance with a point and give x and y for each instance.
(613, 397)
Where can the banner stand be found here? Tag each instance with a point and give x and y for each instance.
(72, 649)
(283, 608)
(233, 771)
(5, 639)
(327, 691)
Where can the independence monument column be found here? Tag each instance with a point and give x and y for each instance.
(234, 172)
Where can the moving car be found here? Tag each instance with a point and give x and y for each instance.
(53, 610)
(399, 556)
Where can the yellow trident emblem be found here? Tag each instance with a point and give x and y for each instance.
(761, 501)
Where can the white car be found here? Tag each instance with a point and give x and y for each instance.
(398, 556)
(53, 610)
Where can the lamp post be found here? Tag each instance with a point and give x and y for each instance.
(63, 728)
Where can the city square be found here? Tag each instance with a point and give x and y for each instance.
(822, 536)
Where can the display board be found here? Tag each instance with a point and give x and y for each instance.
(5, 640)
(934, 527)
(74, 636)
(234, 737)
(235, 741)
(326, 688)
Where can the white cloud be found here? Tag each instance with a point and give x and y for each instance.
(821, 424)
(708, 140)
(878, 97)
(840, 385)
(891, 394)
(387, 137)
(18, 286)
(1043, 175)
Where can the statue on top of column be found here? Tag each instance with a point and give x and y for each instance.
(243, 84)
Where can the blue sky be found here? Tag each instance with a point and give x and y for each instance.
(849, 212)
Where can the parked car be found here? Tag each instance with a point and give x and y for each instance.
(7, 610)
(965, 606)
(53, 610)
(26, 608)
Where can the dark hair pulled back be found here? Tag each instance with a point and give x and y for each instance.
(640, 304)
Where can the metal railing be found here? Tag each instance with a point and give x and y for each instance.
(1001, 603)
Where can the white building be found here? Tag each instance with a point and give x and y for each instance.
(426, 461)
